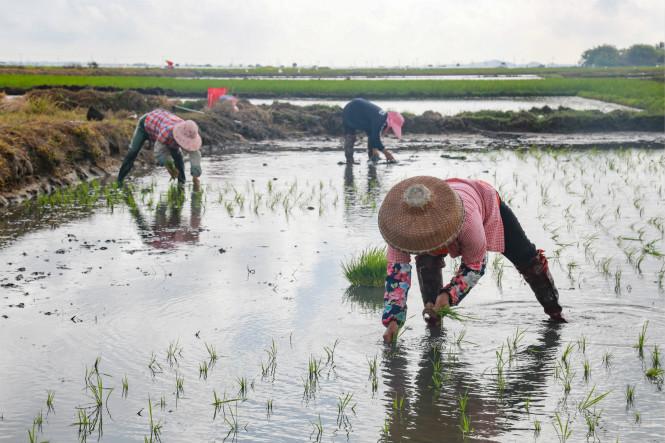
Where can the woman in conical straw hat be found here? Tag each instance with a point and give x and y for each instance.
(431, 218)
(170, 134)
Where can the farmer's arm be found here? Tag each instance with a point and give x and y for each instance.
(465, 278)
(398, 283)
(195, 168)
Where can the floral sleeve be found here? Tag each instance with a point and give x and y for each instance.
(398, 282)
(466, 278)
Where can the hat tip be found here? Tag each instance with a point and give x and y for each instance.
(417, 196)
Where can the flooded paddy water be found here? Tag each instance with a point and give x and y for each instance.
(226, 314)
(457, 106)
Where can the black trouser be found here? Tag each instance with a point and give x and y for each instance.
(518, 249)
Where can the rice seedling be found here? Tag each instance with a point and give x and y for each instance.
(437, 378)
(563, 430)
(513, 343)
(536, 428)
(587, 370)
(269, 408)
(527, 405)
(50, 397)
(617, 282)
(162, 403)
(330, 353)
(630, 395)
(581, 344)
(607, 360)
(242, 387)
(641, 339)
(153, 365)
(317, 430)
(454, 314)
(500, 364)
(125, 386)
(179, 387)
(173, 352)
(212, 353)
(38, 421)
(497, 270)
(458, 338)
(32, 434)
(655, 357)
(592, 420)
(313, 368)
(398, 403)
(638, 417)
(155, 427)
(465, 421)
(655, 374)
(373, 376)
(368, 268)
(218, 403)
(342, 403)
(565, 356)
(590, 401)
(203, 370)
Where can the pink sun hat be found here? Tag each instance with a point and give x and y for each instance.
(186, 134)
(395, 122)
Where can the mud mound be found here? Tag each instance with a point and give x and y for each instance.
(36, 150)
(104, 101)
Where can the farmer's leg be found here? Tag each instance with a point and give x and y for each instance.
(349, 141)
(531, 263)
(179, 164)
(430, 276)
(135, 145)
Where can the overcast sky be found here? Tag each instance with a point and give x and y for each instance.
(330, 33)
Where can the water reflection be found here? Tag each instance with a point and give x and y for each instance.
(429, 412)
(166, 230)
(361, 198)
(366, 298)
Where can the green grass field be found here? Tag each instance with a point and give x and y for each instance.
(644, 94)
(622, 71)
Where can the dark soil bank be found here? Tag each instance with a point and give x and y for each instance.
(45, 141)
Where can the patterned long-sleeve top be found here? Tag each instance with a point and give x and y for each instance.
(481, 231)
(159, 125)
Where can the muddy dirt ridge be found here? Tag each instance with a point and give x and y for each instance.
(46, 141)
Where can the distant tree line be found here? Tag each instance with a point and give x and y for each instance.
(636, 55)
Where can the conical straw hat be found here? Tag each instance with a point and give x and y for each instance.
(420, 214)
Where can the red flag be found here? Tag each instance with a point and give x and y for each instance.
(214, 94)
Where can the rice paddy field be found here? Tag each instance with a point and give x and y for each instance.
(151, 315)
(643, 94)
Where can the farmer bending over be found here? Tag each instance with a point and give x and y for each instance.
(360, 114)
(169, 133)
(431, 217)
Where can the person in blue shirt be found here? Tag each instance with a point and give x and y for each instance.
(362, 115)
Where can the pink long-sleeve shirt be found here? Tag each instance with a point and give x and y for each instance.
(481, 231)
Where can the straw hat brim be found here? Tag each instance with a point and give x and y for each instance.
(186, 143)
(420, 226)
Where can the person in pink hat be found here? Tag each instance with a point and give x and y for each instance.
(362, 115)
(170, 134)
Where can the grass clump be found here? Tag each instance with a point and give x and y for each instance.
(367, 268)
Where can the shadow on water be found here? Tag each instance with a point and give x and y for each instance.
(428, 411)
